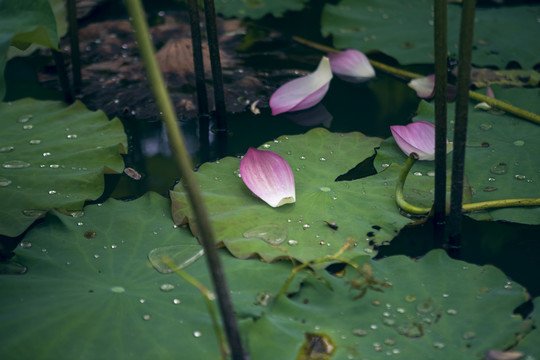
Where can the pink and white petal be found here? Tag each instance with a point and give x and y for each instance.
(303, 92)
(418, 137)
(351, 65)
(424, 86)
(268, 176)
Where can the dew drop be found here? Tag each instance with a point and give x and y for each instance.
(197, 334)
(118, 289)
(15, 164)
(80, 223)
(28, 127)
(34, 213)
(306, 226)
(142, 301)
(176, 301)
(322, 159)
(96, 256)
(46, 154)
(302, 157)
(266, 146)
(25, 118)
(166, 287)
(520, 177)
(499, 169)
(384, 166)
(146, 317)
(491, 179)
(373, 326)
(6, 149)
(519, 143)
(273, 234)
(4, 181)
(34, 142)
(26, 244)
(54, 166)
(52, 192)
(292, 242)
(438, 345)
(359, 332)
(417, 173)
(451, 312)
(325, 188)
(486, 126)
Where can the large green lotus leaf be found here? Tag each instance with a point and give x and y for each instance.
(53, 156)
(506, 169)
(24, 23)
(256, 9)
(404, 30)
(362, 209)
(436, 308)
(91, 293)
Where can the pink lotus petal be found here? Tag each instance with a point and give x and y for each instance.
(489, 92)
(268, 176)
(304, 92)
(351, 65)
(424, 86)
(418, 137)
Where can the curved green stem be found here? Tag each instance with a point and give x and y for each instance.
(524, 114)
(400, 199)
(471, 207)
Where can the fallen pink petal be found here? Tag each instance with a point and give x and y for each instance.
(417, 137)
(304, 92)
(424, 86)
(351, 65)
(268, 176)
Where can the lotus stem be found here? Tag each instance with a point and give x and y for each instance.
(400, 199)
(74, 45)
(514, 110)
(440, 43)
(183, 162)
(455, 219)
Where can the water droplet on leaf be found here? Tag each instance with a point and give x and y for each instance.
(15, 164)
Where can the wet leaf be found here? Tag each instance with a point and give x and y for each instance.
(404, 30)
(364, 209)
(105, 288)
(256, 9)
(53, 156)
(501, 161)
(447, 313)
(22, 24)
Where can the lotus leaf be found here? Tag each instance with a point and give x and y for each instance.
(404, 30)
(53, 156)
(363, 211)
(501, 161)
(434, 308)
(91, 293)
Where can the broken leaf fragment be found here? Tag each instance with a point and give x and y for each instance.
(268, 176)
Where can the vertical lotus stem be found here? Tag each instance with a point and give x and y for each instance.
(439, 207)
(215, 62)
(63, 76)
(202, 95)
(460, 129)
(183, 163)
(74, 44)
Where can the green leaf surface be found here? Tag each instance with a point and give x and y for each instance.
(364, 210)
(436, 308)
(91, 293)
(53, 156)
(506, 169)
(256, 9)
(404, 30)
(24, 23)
